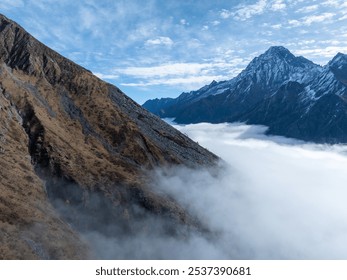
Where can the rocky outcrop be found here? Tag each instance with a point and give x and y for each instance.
(74, 150)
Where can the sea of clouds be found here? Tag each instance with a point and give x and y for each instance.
(274, 198)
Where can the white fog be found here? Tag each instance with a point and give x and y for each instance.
(275, 198)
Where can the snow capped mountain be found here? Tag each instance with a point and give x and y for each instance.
(276, 89)
(264, 75)
(277, 65)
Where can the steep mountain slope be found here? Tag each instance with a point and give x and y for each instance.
(70, 140)
(291, 95)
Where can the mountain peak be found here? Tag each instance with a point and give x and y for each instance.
(214, 82)
(278, 50)
(339, 58)
(340, 54)
(278, 65)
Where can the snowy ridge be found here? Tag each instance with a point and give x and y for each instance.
(292, 95)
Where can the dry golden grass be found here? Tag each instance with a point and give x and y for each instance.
(58, 122)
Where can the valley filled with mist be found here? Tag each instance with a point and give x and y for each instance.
(273, 198)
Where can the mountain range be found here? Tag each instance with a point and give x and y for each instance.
(291, 95)
(75, 155)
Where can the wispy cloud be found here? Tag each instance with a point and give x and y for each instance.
(278, 5)
(184, 22)
(179, 69)
(332, 3)
(193, 82)
(88, 18)
(244, 12)
(318, 18)
(165, 41)
(165, 70)
(308, 20)
(9, 4)
(177, 74)
(276, 26)
(308, 9)
(248, 11)
(106, 76)
(343, 17)
(329, 51)
(224, 13)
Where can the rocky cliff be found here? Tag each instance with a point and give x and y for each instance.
(74, 150)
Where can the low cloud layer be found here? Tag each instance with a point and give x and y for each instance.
(275, 198)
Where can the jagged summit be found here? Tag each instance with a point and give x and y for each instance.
(279, 56)
(339, 58)
(267, 72)
(338, 55)
(278, 50)
(71, 141)
(284, 54)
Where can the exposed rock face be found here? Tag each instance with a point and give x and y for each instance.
(72, 139)
(291, 95)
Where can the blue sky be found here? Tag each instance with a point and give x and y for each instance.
(159, 48)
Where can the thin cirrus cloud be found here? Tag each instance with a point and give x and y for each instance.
(244, 12)
(317, 18)
(9, 4)
(309, 20)
(189, 74)
(308, 9)
(327, 51)
(278, 5)
(165, 70)
(165, 41)
(333, 3)
(192, 82)
(251, 10)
